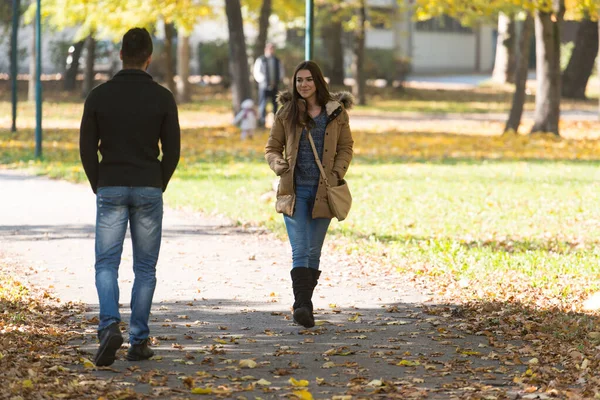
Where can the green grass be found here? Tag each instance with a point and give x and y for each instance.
(475, 208)
(484, 99)
(466, 220)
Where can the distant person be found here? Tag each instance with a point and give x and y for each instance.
(268, 72)
(301, 195)
(246, 119)
(126, 119)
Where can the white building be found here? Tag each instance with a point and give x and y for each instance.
(435, 46)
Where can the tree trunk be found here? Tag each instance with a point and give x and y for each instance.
(331, 33)
(504, 64)
(70, 79)
(477, 31)
(581, 64)
(263, 29)
(238, 58)
(518, 102)
(547, 98)
(32, 67)
(183, 68)
(88, 72)
(169, 64)
(358, 90)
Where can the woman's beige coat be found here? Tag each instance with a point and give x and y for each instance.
(281, 152)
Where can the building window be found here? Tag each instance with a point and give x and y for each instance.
(442, 24)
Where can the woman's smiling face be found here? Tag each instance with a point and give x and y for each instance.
(305, 84)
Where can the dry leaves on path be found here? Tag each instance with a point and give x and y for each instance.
(36, 359)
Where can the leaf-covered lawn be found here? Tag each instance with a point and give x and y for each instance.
(506, 225)
(36, 358)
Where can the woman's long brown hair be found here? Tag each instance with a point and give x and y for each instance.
(299, 114)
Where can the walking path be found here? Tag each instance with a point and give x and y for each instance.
(224, 295)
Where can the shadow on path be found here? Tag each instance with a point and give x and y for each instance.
(76, 231)
(400, 350)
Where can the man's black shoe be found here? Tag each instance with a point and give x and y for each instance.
(110, 341)
(139, 352)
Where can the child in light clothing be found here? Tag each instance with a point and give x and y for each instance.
(246, 119)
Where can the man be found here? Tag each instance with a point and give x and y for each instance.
(125, 119)
(268, 72)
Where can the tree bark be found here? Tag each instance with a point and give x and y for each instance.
(169, 64)
(358, 90)
(477, 32)
(238, 58)
(183, 68)
(518, 102)
(263, 29)
(581, 64)
(32, 67)
(505, 62)
(547, 98)
(70, 79)
(88, 71)
(331, 33)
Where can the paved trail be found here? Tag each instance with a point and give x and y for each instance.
(224, 295)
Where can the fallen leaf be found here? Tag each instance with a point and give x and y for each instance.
(408, 363)
(303, 394)
(300, 383)
(200, 390)
(247, 363)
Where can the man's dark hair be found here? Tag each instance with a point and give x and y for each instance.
(136, 47)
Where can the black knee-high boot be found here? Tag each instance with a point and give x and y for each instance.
(303, 286)
(315, 279)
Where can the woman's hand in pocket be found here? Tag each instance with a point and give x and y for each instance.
(281, 166)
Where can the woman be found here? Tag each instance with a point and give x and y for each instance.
(301, 195)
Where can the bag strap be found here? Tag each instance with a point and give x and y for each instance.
(317, 160)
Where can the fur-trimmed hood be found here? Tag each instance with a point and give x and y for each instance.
(343, 99)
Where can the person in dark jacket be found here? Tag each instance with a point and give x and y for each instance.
(126, 119)
(267, 72)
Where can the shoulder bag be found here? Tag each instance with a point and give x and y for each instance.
(339, 197)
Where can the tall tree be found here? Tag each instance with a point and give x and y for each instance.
(70, 77)
(547, 38)
(32, 66)
(578, 71)
(518, 102)
(263, 28)
(107, 19)
(183, 67)
(169, 62)
(331, 33)
(88, 71)
(505, 62)
(358, 90)
(238, 59)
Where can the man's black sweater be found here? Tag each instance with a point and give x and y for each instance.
(126, 118)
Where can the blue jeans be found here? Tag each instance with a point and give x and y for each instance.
(263, 96)
(306, 233)
(142, 207)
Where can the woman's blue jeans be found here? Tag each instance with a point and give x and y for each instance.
(142, 208)
(306, 233)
